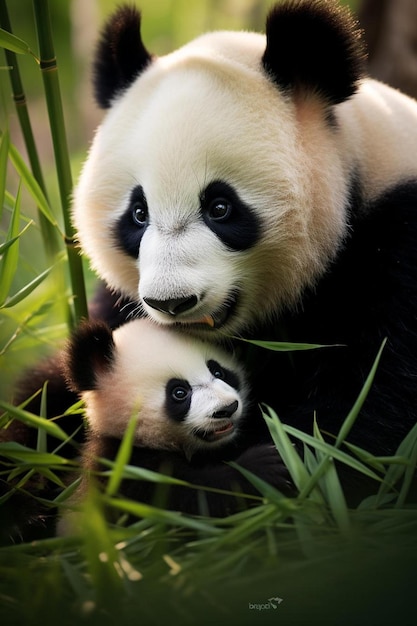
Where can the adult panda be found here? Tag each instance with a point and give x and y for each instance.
(192, 407)
(265, 187)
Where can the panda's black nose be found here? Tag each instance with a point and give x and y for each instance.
(226, 411)
(173, 307)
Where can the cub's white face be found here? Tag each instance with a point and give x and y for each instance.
(209, 196)
(188, 395)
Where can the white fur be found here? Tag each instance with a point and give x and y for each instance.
(208, 112)
(146, 358)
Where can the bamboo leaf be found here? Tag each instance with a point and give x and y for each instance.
(26, 290)
(160, 515)
(32, 185)
(33, 420)
(141, 473)
(267, 491)
(17, 452)
(284, 346)
(13, 43)
(4, 152)
(7, 244)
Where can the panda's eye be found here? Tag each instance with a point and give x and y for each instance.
(180, 393)
(140, 214)
(178, 396)
(219, 210)
(216, 370)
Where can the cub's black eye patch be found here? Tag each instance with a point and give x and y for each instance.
(132, 224)
(177, 399)
(223, 373)
(232, 220)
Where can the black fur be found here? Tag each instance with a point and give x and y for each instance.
(120, 57)
(177, 404)
(369, 294)
(240, 229)
(224, 374)
(89, 354)
(314, 44)
(129, 231)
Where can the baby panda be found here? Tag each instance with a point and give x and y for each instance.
(192, 401)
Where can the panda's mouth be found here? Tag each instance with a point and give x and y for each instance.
(220, 431)
(217, 319)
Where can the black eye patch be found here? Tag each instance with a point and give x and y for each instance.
(223, 373)
(234, 222)
(132, 225)
(177, 399)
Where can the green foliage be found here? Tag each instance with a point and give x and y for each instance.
(308, 559)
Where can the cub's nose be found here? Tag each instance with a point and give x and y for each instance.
(226, 411)
(173, 307)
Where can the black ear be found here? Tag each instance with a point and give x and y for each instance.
(90, 352)
(314, 44)
(121, 55)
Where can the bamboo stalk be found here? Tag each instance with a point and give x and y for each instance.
(49, 234)
(49, 69)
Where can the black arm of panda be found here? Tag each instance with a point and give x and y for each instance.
(262, 460)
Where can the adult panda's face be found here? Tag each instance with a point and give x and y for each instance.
(188, 395)
(210, 196)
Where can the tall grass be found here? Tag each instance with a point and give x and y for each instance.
(310, 559)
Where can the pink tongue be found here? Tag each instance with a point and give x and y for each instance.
(225, 429)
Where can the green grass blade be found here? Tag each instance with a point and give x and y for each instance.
(354, 412)
(286, 450)
(334, 493)
(41, 444)
(122, 458)
(404, 469)
(10, 259)
(331, 451)
(100, 552)
(68, 491)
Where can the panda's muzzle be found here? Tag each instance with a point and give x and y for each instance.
(227, 411)
(222, 425)
(182, 308)
(174, 306)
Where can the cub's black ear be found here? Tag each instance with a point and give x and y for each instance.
(89, 353)
(120, 56)
(314, 44)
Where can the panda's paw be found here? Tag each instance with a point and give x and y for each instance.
(264, 461)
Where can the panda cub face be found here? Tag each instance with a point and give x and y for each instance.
(188, 395)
